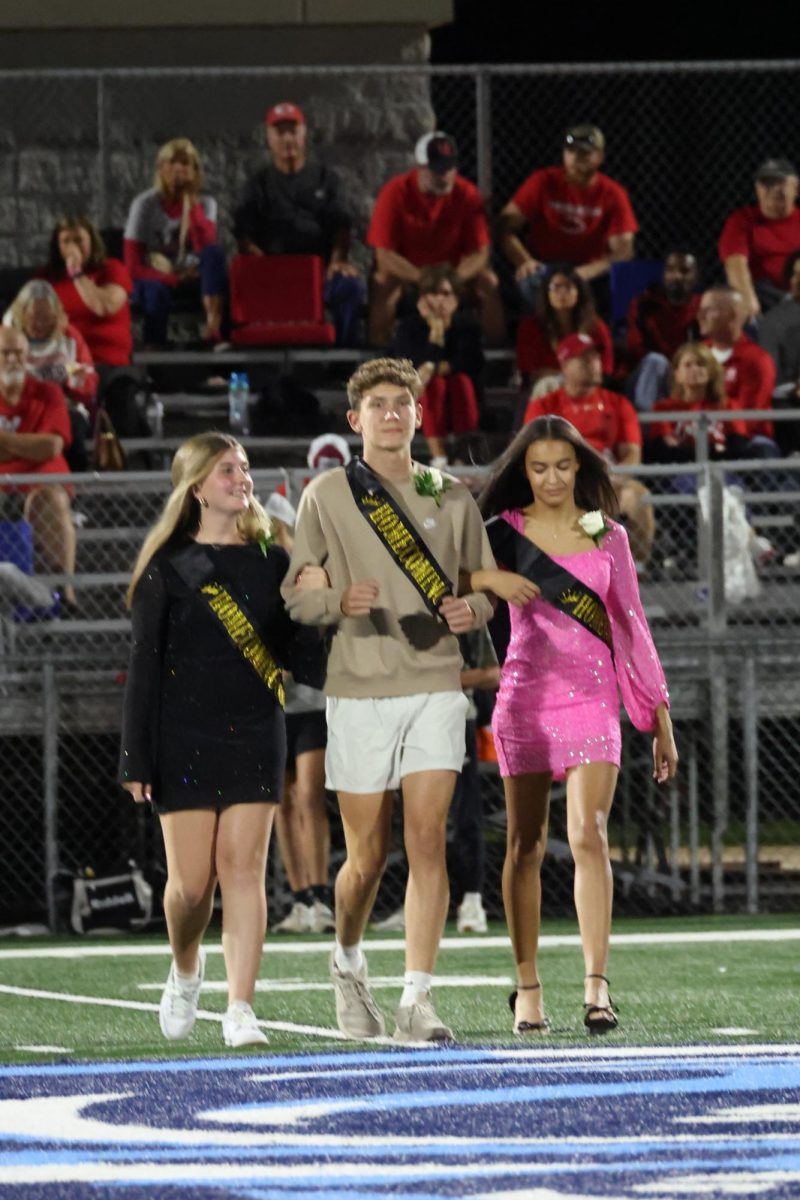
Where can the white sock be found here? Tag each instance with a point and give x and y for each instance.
(349, 958)
(417, 983)
(192, 977)
(241, 1004)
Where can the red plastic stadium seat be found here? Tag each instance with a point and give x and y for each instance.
(278, 299)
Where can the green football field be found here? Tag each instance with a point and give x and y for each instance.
(675, 981)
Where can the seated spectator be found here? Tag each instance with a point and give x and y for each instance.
(295, 205)
(660, 320)
(697, 385)
(34, 432)
(444, 345)
(430, 215)
(757, 240)
(171, 242)
(749, 372)
(564, 305)
(57, 354)
(573, 214)
(609, 423)
(95, 293)
(779, 330)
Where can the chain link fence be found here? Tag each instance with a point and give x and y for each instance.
(725, 614)
(684, 138)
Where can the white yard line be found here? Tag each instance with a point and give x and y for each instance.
(375, 981)
(276, 945)
(144, 1006)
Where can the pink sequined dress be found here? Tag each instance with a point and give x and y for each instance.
(558, 703)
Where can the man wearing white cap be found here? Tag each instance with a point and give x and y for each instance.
(429, 215)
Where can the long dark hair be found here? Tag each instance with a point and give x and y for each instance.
(508, 486)
(583, 316)
(97, 249)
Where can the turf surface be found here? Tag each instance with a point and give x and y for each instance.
(668, 992)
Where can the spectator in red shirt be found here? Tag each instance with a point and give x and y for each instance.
(171, 242)
(609, 423)
(756, 240)
(573, 214)
(95, 291)
(57, 354)
(749, 372)
(697, 384)
(564, 305)
(34, 432)
(430, 215)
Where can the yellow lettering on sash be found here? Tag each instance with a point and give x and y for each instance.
(588, 612)
(244, 636)
(412, 558)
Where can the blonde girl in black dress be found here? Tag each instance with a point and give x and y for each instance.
(203, 729)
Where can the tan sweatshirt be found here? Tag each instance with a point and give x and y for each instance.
(400, 649)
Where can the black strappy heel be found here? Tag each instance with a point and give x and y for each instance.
(526, 1026)
(604, 1023)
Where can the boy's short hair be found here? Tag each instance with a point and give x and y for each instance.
(399, 371)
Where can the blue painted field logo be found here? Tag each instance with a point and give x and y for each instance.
(649, 1124)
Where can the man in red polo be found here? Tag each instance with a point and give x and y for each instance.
(430, 215)
(574, 214)
(609, 423)
(34, 431)
(749, 372)
(757, 240)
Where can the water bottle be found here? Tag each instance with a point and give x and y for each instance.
(238, 404)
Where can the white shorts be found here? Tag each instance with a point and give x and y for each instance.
(374, 744)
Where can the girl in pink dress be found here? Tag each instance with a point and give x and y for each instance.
(557, 713)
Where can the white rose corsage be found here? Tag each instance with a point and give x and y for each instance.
(429, 481)
(594, 524)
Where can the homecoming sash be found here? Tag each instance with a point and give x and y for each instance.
(557, 585)
(396, 532)
(233, 618)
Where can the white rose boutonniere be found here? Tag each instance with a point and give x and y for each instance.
(429, 481)
(594, 524)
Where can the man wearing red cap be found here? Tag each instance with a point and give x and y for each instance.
(609, 423)
(295, 206)
(430, 215)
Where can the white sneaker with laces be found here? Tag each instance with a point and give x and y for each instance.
(178, 1007)
(240, 1027)
(394, 923)
(357, 1014)
(322, 918)
(418, 1022)
(299, 920)
(471, 917)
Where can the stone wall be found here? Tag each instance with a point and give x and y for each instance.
(71, 143)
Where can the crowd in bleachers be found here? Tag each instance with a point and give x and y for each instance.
(547, 277)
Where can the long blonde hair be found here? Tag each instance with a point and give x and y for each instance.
(185, 151)
(193, 462)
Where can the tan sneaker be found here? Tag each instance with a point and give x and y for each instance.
(357, 1014)
(418, 1022)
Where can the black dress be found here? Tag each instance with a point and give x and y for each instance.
(199, 724)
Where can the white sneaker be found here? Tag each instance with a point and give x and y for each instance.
(240, 1027)
(357, 1014)
(322, 918)
(178, 1007)
(394, 923)
(299, 920)
(471, 917)
(418, 1022)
